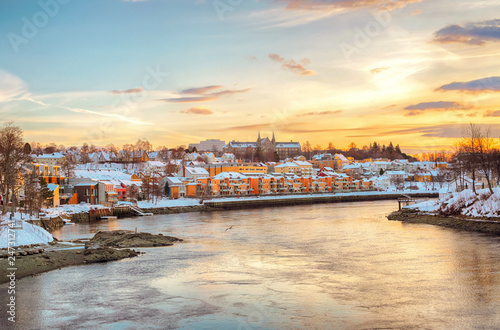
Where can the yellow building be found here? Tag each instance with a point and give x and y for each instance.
(55, 191)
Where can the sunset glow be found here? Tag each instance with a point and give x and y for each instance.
(177, 72)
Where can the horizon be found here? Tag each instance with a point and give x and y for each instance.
(410, 71)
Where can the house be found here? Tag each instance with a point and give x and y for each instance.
(54, 158)
(54, 188)
(90, 192)
(192, 172)
(228, 158)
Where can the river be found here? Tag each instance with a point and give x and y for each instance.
(324, 266)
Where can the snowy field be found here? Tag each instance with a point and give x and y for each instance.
(482, 204)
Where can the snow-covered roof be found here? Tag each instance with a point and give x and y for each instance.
(287, 164)
(230, 175)
(287, 145)
(302, 163)
(395, 173)
(197, 170)
(102, 174)
(341, 157)
(52, 155)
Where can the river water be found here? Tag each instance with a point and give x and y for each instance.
(326, 266)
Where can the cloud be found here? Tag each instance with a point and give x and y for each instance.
(229, 92)
(416, 12)
(198, 111)
(492, 113)
(490, 84)
(440, 105)
(418, 109)
(378, 70)
(189, 99)
(321, 113)
(477, 33)
(10, 86)
(251, 58)
(291, 65)
(344, 4)
(204, 96)
(128, 91)
(201, 90)
(108, 115)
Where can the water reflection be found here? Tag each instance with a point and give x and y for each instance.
(319, 266)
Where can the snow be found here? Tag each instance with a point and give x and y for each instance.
(71, 208)
(169, 203)
(482, 204)
(26, 234)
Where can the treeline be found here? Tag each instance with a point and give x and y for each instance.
(477, 155)
(373, 150)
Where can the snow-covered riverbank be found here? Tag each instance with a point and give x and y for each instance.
(465, 203)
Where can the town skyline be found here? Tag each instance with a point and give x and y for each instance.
(409, 71)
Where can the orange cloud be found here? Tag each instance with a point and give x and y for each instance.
(128, 91)
(198, 111)
(378, 70)
(291, 65)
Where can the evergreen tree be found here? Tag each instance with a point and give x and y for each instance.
(46, 195)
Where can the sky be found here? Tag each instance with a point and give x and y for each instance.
(413, 72)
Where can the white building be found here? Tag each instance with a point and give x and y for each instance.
(192, 172)
(208, 145)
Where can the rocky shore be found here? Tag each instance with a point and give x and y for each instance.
(483, 225)
(103, 247)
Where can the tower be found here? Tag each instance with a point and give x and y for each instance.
(258, 140)
(273, 140)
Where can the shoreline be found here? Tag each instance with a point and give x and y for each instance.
(249, 202)
(105, 246)
(480, 225)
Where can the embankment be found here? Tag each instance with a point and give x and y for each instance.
(488, 226)
(244, 203)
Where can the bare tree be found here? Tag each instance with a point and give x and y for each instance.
(477, 150)
(14, 156)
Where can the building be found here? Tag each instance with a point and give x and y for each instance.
(50, 159)
(54, 188)
(208, 145)
(297, 167)
(91, 192)
(250, 169)
(266, 146)
(192, 172)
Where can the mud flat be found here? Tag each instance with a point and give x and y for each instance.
(483, 225)
(103, 247)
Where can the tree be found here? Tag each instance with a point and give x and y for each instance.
(306, 148)
(330, 147)
(46, 195)
(478, 150)
(352, 146)
(67, 166)
(14, 156)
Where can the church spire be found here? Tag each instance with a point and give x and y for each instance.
(258, 140)
(274, 140)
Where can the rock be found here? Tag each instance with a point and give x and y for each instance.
(107, 254)
(121, 239)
